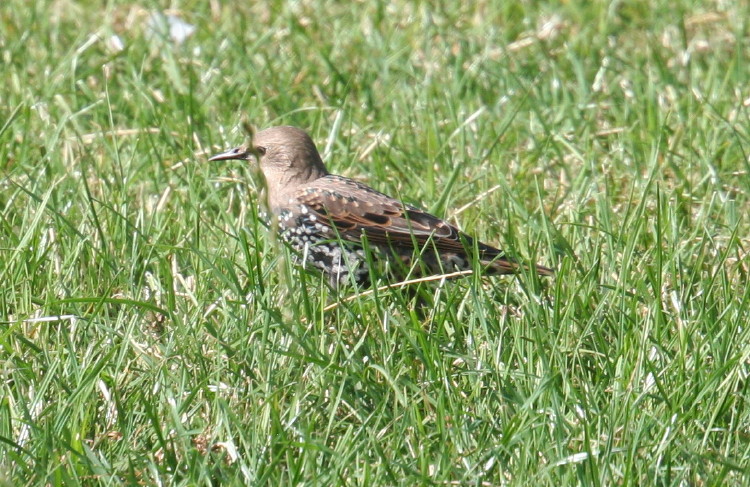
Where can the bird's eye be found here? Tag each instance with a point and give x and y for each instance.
(260, 150)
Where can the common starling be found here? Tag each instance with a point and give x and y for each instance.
(324, 217)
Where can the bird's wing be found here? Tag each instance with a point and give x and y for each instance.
(354, 208)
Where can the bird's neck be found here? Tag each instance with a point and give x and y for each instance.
(283, 185)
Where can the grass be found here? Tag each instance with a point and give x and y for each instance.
(153, 332)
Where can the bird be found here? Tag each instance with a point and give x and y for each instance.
(332, 221)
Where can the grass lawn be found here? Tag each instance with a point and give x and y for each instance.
(153, 332)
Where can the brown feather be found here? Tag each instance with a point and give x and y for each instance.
(382, 219)
(300, 187)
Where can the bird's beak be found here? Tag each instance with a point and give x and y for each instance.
(238, 153)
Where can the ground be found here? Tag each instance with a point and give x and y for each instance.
(153, 331)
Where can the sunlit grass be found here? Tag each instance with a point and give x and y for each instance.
(153, 331)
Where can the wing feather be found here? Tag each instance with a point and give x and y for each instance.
(354, 208)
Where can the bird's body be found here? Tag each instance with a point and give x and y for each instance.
(328, 218)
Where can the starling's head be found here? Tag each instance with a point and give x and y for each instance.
(287, 155)
(287, 158)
